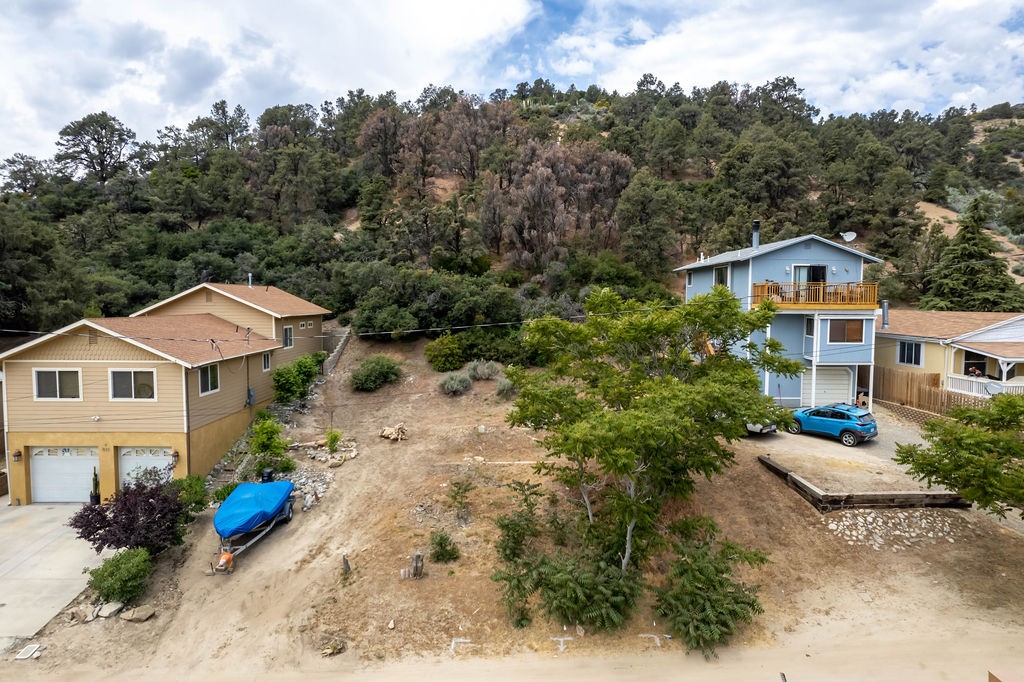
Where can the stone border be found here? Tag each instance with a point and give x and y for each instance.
(825, 502)
(909, 413)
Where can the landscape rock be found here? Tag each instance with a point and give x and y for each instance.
(139, 614)
(110, 609)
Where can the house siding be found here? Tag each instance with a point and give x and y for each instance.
(772, 266)
(1011, 332)
(95, 412)
(230, 399)
(306, 341)
(933, 355)
(233, 311)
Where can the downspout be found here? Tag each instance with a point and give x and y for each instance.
(7, 440)
(188, 430)
(814, 360)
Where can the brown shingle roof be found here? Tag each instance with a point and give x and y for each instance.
(191, 339)
(939, 324)
(1008, 350)
(271, 299)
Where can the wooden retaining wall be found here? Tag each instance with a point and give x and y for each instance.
(825, 502)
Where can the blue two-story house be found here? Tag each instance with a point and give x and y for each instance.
(826, 317)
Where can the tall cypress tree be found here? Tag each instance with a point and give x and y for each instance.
(969, 276)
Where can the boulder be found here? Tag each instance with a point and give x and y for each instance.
(139, 614)
(110, 609)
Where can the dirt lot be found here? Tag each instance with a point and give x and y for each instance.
(918, 583)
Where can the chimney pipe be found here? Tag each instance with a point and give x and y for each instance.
(250, 280)
(757, 234)
(885, 313)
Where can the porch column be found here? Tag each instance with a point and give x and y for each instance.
(871, 385)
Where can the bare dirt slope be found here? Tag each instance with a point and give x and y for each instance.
(947, 218)
(288, 602)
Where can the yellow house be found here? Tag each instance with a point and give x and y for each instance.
(973, 352)
(173, 385)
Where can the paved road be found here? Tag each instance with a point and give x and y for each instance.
(41, 564)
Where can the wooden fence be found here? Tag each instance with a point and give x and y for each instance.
(920, 391)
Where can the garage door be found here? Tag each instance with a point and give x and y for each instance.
(132, 459)
(62, 474)
(833, 385)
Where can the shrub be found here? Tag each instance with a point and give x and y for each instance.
(333, 437)
(587, 591)
(506, 389)
(279, 463)
(445, 353)
(192, 493)
(291, 382)
(123, 576)
(265, 438)
(701, 602)
(456, 383)
(148, 512)
(443, 549)
(375, 371)
(483, 370)
(221, 493)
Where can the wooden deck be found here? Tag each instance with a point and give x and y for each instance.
(838, 295)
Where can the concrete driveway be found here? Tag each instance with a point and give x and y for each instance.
(41, 564)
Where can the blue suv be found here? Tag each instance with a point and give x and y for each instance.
(849, 423)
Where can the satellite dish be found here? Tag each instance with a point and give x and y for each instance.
(993, 388)
(848, 236)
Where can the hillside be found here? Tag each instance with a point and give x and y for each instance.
(288, 601)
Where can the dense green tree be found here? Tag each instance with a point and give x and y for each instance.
(647, 213)
(978, 453)
(969, 276)
(98, 145)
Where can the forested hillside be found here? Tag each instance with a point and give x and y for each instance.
(454, 211)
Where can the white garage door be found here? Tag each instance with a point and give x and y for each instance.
(132, 459)
(62, 474)
(833, 385)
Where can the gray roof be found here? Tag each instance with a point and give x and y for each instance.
(750, 252)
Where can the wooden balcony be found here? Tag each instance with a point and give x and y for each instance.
(840, 295)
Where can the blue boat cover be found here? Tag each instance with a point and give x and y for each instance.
(250, 505)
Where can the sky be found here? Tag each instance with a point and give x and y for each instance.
(153, 63)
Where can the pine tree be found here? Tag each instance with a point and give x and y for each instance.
(969, 276)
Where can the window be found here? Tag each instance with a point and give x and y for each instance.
(975, 364)
(689, 278)
(809, 326)
(846, 331)
(58, 384)
(909, 354)
(721, 275)
(266, 362)
(209, 379)
(132, 384)
(302, 325)
(289, 339)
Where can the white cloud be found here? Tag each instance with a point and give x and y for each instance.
(161, 63)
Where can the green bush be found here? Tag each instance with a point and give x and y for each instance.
(333, 437)
(483, 370)
(445, 353)
(265, 438)
(506, 389)
(456, 383)
(221, 493)
(586, 591)
(291, 382)
(279, 463)
(192, 493)
(375, 371)
(123, 576)
(701, 602)
(443, 549)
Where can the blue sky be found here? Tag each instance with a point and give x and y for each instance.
(153, 62)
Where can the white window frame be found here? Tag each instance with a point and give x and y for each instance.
(847, 320)
(207, 369)
(57, 370)
(288, 336)
(728, 275)
(910, 344)
(302, 325)
(266, 362)
(132, 370)
(809, 323)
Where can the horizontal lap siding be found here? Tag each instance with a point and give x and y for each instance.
(230, 399)
(223, 307)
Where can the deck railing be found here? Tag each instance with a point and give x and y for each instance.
(983, 388)
(818, 294)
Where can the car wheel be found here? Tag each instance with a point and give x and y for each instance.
(848, 438)
(795, 427)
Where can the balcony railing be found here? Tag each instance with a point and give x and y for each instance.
(983, 388)
(817, 294)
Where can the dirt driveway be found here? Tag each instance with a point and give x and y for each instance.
(946, 603)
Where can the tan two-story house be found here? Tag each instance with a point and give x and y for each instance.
(173, 385)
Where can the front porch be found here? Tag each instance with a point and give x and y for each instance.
(983, 387)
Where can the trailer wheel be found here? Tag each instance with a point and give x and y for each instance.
(288, 514)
